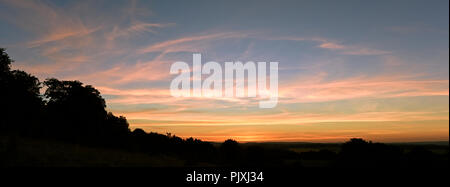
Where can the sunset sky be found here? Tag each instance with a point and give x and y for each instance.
(372, 69)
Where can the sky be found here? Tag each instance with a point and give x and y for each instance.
(377, 70)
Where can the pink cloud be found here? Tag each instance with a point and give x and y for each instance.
(167, 45)
(314, 89)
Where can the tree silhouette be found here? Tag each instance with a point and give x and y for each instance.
(5, 61)
(19, 97)
(230, 151)
(75, 112)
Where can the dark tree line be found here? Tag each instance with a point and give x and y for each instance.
(72, 112)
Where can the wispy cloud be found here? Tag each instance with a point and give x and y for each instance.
(136, 29)
(59, 34)
(330, 44)
(316, 89)
(174, 45)
(352, 50)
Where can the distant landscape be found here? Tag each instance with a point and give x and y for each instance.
(30, 152)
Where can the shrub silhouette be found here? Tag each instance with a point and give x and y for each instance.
(360, 153)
